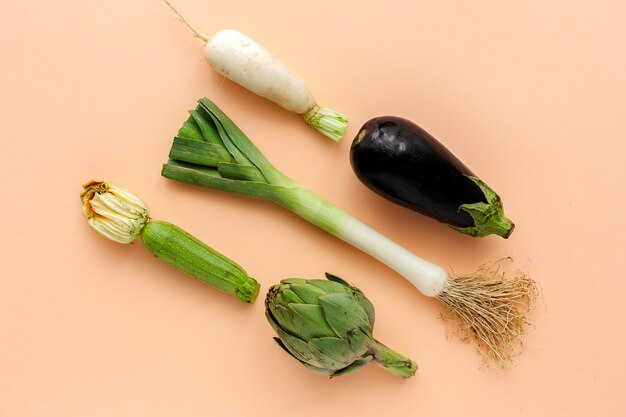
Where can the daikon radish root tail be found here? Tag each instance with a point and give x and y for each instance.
(196, 32)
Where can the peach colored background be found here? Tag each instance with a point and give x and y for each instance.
(531, 95)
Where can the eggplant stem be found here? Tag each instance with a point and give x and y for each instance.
(488, 216)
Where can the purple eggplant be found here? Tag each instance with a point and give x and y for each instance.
(402, 162)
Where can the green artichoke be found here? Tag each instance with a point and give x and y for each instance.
(327, 325)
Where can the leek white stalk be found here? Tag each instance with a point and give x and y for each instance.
(427, 277)
(244, 61)
(211, 151)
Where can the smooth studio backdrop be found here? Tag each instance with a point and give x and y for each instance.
(530, 95)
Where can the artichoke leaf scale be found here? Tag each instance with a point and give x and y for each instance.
(309, 321)
(326, 361)
(285, 317)
(308, 293)
(367, 306)
(354, 366)
(335, 348)
(291, 281)
(298, 348)
(330, 287)
(335, 278)
(359, 339)
(344, 313)
(311, 367)
(287, 296)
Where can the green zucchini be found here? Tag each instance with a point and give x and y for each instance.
(184, 252)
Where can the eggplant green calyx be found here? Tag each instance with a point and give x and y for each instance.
(488, 217)
(327, 326)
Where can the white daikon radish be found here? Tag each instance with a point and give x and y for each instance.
(244, 61)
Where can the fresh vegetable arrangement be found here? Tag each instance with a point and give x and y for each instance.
(327, 325)
(121, 216)
(400, 161)
(211, 151)
(242, 60)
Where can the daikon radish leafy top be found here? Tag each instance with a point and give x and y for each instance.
(242, 60)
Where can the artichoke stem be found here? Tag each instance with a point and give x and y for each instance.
(391, 360)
